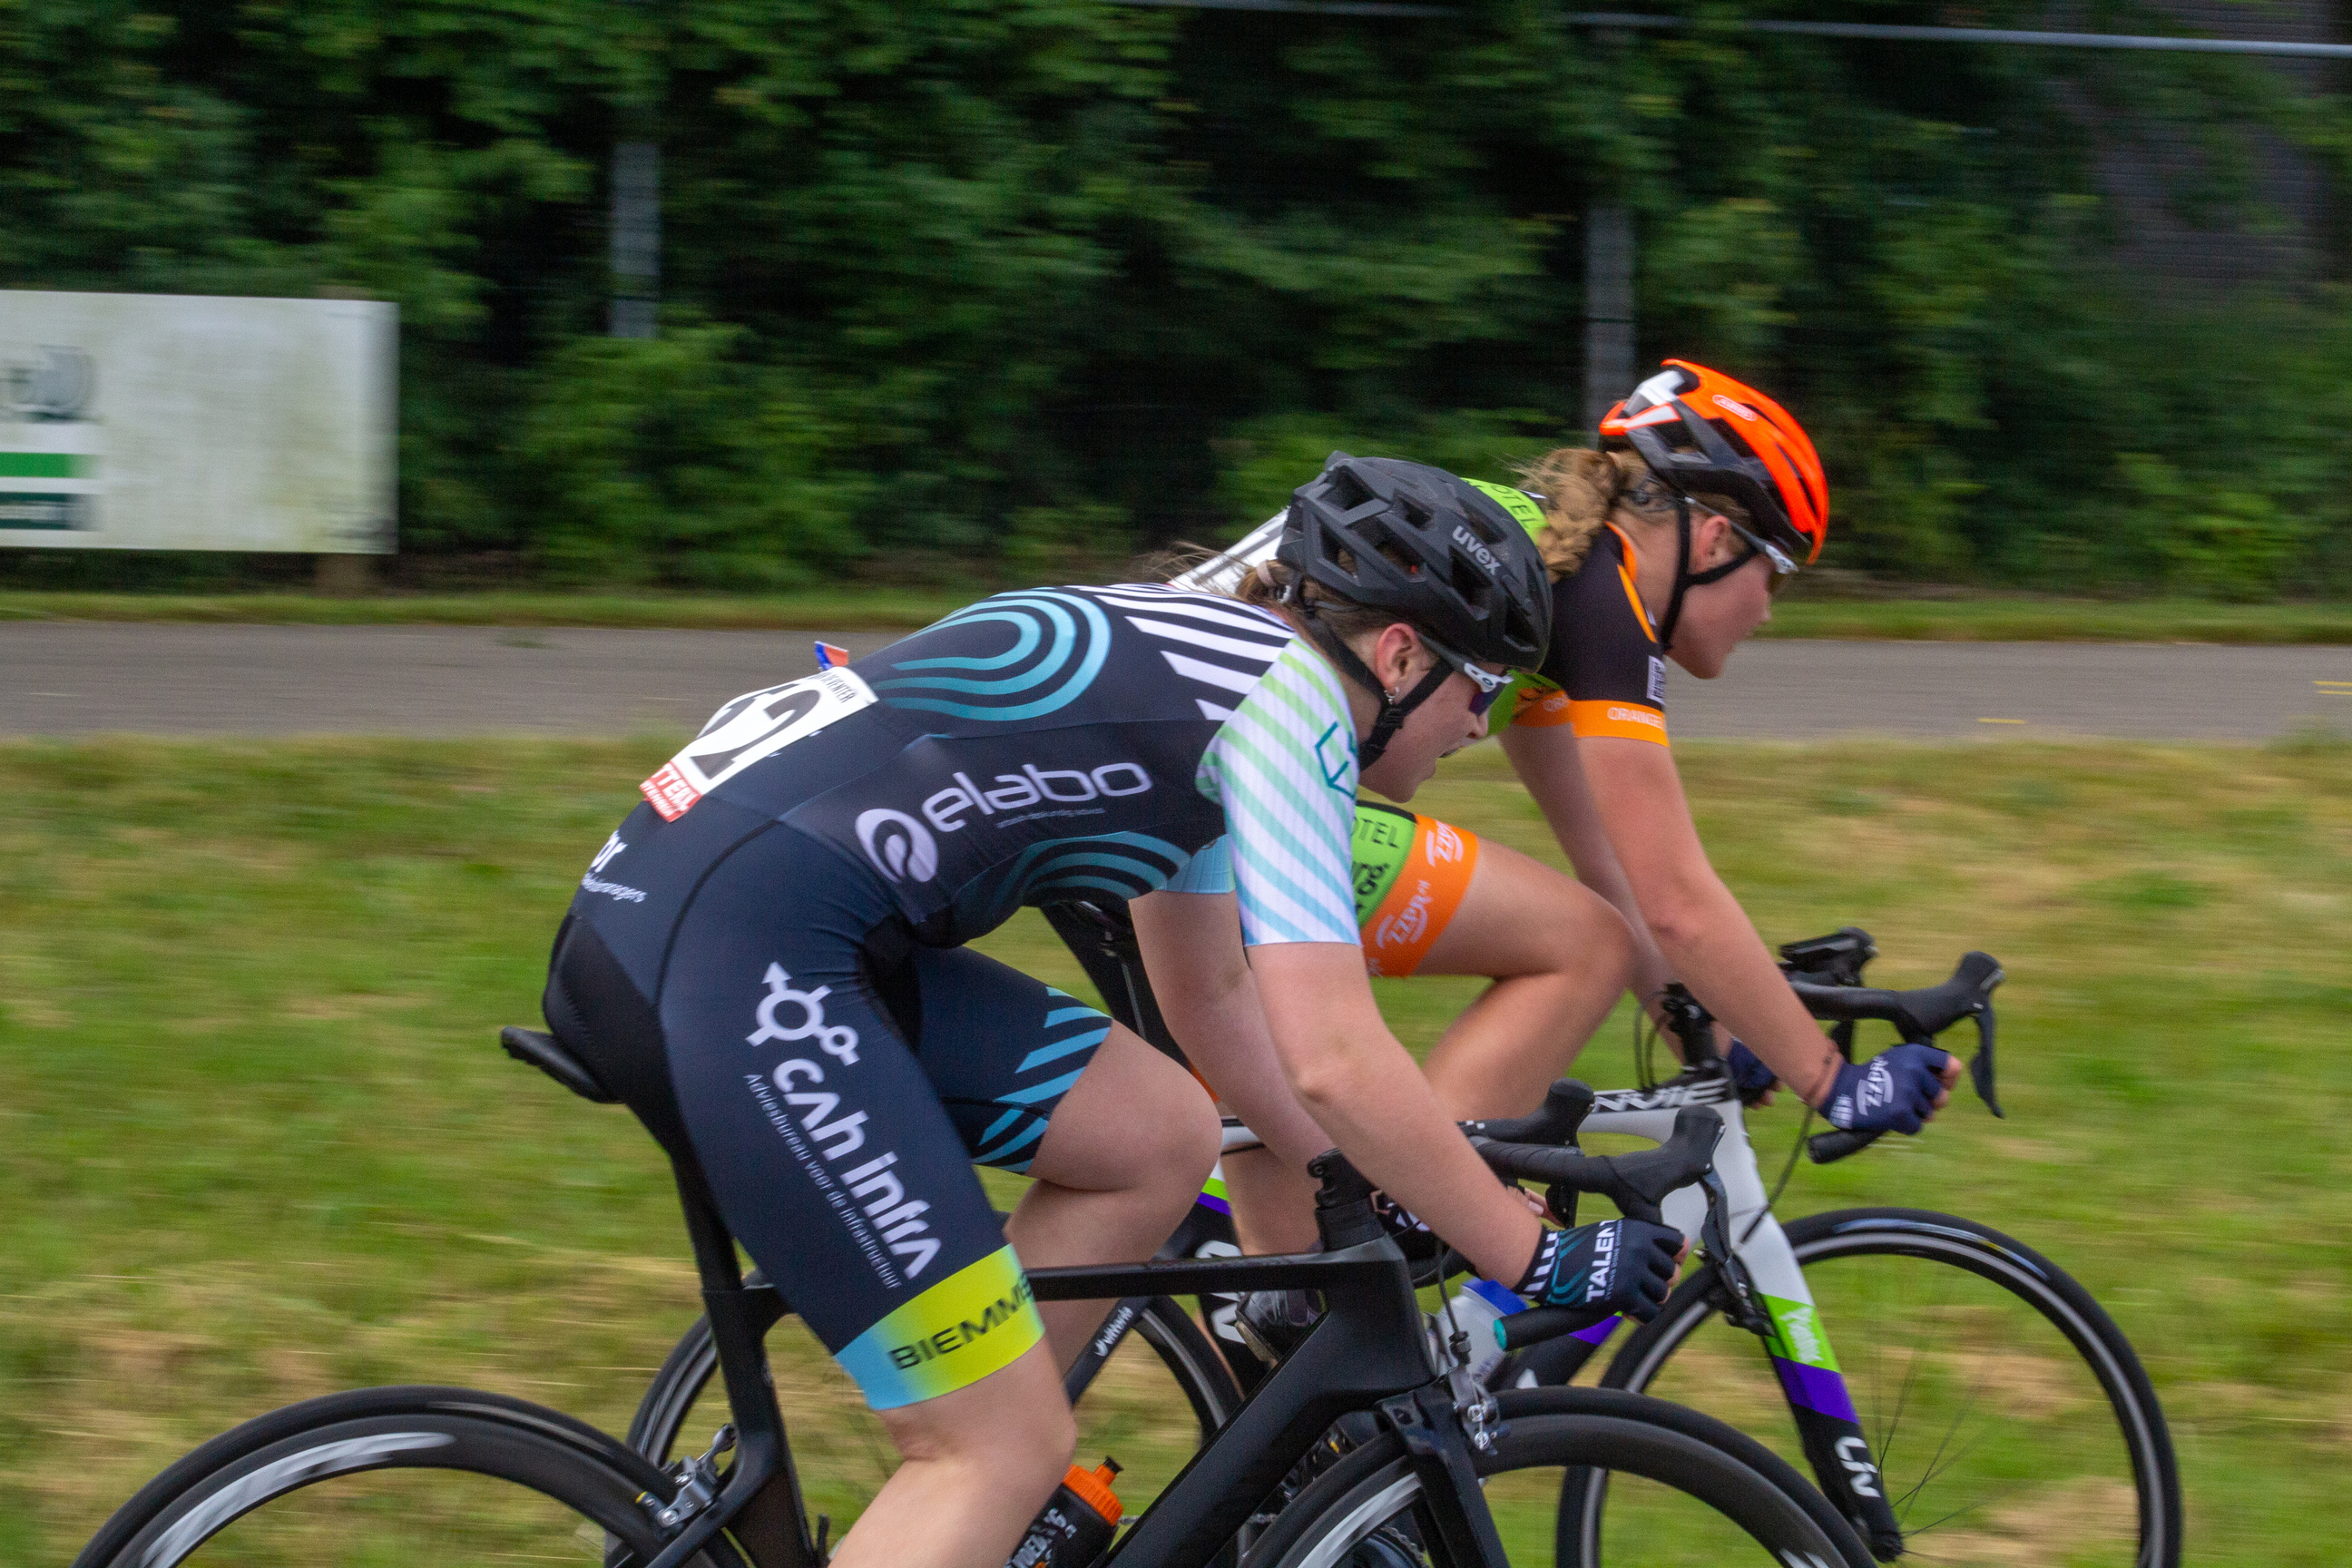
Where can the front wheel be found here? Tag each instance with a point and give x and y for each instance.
(1696, 1491)
(419, 1477)
(2010, 1418)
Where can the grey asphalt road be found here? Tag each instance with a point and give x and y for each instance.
(65, 678)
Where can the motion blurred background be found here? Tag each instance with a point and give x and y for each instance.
(861, 306)
(907, 288)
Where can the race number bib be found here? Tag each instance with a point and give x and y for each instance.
(755, 725)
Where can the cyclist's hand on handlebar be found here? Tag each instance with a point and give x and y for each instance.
(1898, 1091)
(1618, 1266)
(1412, 1233)
(1755, 1080)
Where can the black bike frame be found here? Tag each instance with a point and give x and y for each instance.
(1369, 1352)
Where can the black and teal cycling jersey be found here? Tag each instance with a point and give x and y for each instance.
(764, 957)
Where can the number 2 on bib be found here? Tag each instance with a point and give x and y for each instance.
(755, 725)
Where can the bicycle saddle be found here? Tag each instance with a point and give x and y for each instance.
(548, 1055)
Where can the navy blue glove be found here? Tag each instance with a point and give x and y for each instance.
(1895, 1091)
(1618, 1266)
(1749, 1071)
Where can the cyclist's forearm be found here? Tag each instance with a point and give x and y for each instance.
(1715, 950)
(1548, 764)
(1366, 1091)
(1191, 948)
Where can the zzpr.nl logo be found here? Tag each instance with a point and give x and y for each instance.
(900, 848)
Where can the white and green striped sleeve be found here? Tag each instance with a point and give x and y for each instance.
(1283, 767)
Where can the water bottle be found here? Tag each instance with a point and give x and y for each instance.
(1478, 1306)
(1077, 1524)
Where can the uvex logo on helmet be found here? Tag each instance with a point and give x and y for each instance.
(1471, 542)
(900, 848)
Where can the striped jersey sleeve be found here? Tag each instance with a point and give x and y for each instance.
(1209, 870)
(1284, 768)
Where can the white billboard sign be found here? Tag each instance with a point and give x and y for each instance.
(184, 422)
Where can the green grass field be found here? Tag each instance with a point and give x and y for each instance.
(256, 1142)
(1973, 619)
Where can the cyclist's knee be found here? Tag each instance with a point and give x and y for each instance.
(1176, 1135)
(1015, 1424)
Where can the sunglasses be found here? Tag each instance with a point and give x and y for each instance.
(1490, 684)
(1783, 567)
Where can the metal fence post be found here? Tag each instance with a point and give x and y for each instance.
(1608, 310)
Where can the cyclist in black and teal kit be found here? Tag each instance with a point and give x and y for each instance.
(765, 960)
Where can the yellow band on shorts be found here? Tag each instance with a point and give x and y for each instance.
(1436, 872)
(974, 1322)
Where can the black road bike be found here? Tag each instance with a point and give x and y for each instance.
(1978, 1402)
(1368, 1446)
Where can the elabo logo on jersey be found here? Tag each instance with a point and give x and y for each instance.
(1031, 786)
(1657, 679)
(900, 848)
(1445, 845)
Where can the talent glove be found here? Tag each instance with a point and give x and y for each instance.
(1618, 1266)
(1748, 1072)
(1895, 1091)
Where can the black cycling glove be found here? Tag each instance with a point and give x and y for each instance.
(1749, 1071)
(1618, 1266)
(1895, 1091)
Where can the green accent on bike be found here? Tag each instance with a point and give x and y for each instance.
(1796, 1334)
(1381, 840)
(1518, 504)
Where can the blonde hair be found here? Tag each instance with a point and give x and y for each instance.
(1268, 585)
(1584, 491)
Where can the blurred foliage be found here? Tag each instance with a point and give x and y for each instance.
(995, 283)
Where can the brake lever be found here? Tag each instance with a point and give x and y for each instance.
(1714, 1241)
(1980, 1065)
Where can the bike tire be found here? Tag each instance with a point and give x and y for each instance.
(1361, 1513)
(1824, 1241)
(419, 1475)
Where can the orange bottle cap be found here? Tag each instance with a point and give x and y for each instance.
(1094, 1487)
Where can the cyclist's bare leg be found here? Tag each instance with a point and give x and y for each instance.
(1274, 1204)
(1560, 956)
(1121, 1161)
(979, 1464)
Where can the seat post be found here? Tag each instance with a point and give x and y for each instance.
(714, 1244)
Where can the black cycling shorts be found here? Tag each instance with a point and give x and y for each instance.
(836, 1080)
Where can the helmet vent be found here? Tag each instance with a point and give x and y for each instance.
(1348, 491)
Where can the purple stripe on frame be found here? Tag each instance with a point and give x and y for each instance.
(1206, 1202)
(1816, 1389)
(1598, 1332)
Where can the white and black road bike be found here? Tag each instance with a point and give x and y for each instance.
(1370, 1446)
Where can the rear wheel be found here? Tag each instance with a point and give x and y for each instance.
(2008, 1413)
(419, 1477)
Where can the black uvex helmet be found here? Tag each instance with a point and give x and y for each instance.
(1447, 554)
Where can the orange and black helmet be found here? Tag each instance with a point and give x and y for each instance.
(1700, 430)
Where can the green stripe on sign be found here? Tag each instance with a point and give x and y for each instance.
(42, 465)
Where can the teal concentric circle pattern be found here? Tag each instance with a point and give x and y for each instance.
(1058, 643)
